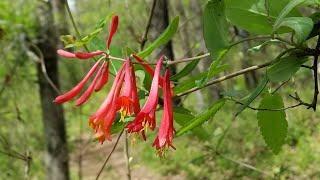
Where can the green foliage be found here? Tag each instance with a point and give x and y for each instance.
(285, 68)
(201, 118)
(256, 16)
(183, 116)
(302, 27)
(273, 124)
(185, 71)
(285, 11)
(261, 86)
(163, 39)
(215, 27)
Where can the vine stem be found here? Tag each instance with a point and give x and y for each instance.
(315, 75)
(223, 78)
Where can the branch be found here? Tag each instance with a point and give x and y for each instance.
(315, 75)
(111, 152)
(223, 78)
(144, 37)
(265, 109)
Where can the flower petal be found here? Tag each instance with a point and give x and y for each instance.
(86, 95)
(104, 78)
(76, 90)
(112, 29)
(66, 54)
(85, 55)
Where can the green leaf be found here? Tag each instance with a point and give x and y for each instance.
(214, 68)
(273, 124)
(261, 86)
(285, 68)
(185, 71)
(316, 28)
(215, 27)
(194, 81)
(163, 39)
(285, 11)
(182, 116)
(255, 16)
(301, 25)
(201, 118)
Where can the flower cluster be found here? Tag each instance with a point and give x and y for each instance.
(123, 96)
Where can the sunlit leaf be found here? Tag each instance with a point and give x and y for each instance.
(273, 124)
(163, 39)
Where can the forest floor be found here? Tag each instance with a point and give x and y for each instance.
(93, 156)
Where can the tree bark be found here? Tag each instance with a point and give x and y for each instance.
(159, 23)
(56, 160)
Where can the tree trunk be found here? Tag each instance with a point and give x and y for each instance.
(159, 23)
(56, 160)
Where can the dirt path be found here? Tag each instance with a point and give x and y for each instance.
(94, 155)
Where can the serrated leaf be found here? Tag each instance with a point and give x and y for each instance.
(215, 27)
(263, 83)
(185, 71)
(285, 11)
(163, 39)
(285, 68)
(302, 27)
(273, 124)
(202, 117)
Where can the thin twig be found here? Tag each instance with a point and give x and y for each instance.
(127, 155)
(44, 69)
(266, 109)
(145, 35)
(110, 154)
(223, 78)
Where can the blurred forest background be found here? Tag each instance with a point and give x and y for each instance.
(29, 31)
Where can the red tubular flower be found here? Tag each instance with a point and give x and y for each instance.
(146, 117)
(79, 55)
(165, 134)
(101, 121)
(86, 95)
(76, 90)
(128, 102)
(112, 29)
(148, 68)
(103, 78)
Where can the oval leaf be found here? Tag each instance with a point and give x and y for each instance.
(285, 11)
(302, 27)
(215, 27)
(273, 124)
(285, 68)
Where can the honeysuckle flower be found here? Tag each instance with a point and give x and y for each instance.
(146, 117)
(147, 67)
(112, 29)
(128, 102)
(166, 129)
(103, 78)
(77, 89)
(87, 55)
(86, 95)
(101, 121)
(79, 55)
